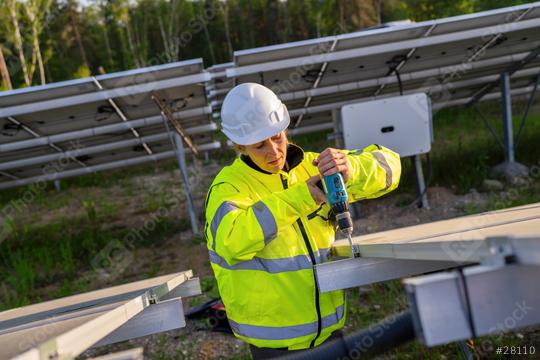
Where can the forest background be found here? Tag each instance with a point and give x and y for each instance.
(44, 41)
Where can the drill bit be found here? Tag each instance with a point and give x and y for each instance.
(354, 252)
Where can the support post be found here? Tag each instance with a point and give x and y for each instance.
(57, 185)
(509, 155)
(510, 169)
(181, 157)
(420, 183)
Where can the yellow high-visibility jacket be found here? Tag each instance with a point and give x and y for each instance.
(265, 233)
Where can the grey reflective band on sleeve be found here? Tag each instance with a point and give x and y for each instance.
(384, 164)
(223, 209)
(266, 221)
(273, 266)
(286, 332)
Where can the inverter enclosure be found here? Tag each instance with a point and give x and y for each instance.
(402, 124)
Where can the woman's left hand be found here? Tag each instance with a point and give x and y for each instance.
(332, 161)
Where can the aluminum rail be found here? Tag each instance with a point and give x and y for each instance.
(307, 129)
(20, 318)
(435, 246)
(103, 95)
(36, 135)
(122, 116)
(532, 56)
(101, 167)
(491, 96)
(390, 80)
(109, 76)
(383, 48)
(459, 240)
(405, 77)
(73, 154)
(107, 129)
(430, 89)
(68, 334)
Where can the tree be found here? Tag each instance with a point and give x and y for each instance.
(6, 80)
(13, 7)
(73, 15)
(36, 10)
(420, 10)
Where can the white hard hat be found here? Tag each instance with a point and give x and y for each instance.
(252, 113)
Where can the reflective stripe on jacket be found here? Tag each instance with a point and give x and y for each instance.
(265, 233)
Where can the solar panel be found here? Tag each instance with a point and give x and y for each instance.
(361, 65)
(68, 326)
(110, 119)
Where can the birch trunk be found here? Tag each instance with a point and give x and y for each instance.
(225, 10)
(12, 6)
(75, 26)
(4, 70)
(31, 10)
(378, 4)
(131, 46)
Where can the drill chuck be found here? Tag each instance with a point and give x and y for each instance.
(344, 222)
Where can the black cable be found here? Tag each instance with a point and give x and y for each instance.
(393, 65)
(375, 340)
(468, 308)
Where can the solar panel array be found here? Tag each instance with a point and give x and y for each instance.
(100, 123)
(452, 59)
(109, 121)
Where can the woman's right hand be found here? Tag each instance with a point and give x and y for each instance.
(315, 191)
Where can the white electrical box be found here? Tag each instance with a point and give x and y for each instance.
(402, 124)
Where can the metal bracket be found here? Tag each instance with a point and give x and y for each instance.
(500, 250)
(453, 306)
(152, 298)
(168, 115)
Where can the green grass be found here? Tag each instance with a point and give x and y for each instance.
(464, 150)
(516, 195)
(33, 257)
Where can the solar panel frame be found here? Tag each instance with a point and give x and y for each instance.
(68, 326)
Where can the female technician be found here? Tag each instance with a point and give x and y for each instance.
(267, 224)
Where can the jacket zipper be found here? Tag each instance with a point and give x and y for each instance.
(312, 257)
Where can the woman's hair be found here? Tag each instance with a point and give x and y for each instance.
(237, 147)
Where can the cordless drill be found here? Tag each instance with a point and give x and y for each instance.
(336, 195)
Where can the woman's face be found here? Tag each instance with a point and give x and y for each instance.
(269, 154)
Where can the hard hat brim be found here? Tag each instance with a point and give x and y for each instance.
(261, 134)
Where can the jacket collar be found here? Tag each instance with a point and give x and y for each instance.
(295, 155)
